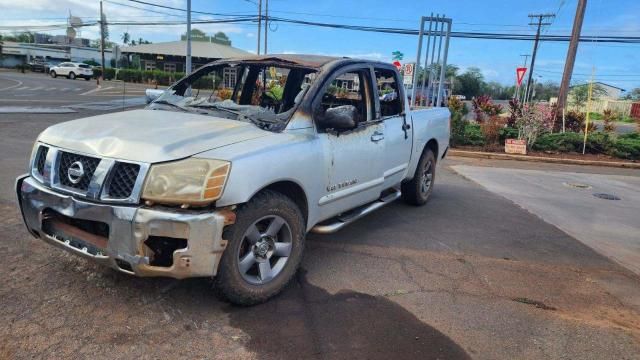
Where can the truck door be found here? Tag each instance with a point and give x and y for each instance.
(352, 167)
(397, 132)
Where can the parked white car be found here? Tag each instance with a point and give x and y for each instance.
(72, 70)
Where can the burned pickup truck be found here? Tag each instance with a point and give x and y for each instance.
(223, 174)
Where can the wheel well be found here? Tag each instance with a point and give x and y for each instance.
(294, 192)
(433, 146)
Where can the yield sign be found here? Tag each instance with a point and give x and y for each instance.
(520, 74)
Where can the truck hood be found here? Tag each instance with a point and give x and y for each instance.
(149, 135)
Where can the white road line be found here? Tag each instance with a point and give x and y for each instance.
(96, 89)
(49, 89)
(77, 89)
(22, 88)
(19, 83)
(65, 89)
(37, 88)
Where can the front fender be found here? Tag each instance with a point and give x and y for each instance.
(258, 163)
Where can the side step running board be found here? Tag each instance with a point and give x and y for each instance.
(334, 224)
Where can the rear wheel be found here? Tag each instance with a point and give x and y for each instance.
(87, 78)
(72, 76)
(417, 190)
(53, 74)
(264, 251)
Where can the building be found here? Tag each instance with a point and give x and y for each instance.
(610, 92)
(21, 53)
(171, 56)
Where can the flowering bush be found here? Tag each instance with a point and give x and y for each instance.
(535, 120)
(484, 108)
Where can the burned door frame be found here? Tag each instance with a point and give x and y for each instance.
(353, 170)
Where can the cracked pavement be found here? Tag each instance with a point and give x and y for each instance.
(470, 275)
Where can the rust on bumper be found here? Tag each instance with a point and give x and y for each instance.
(123, 247)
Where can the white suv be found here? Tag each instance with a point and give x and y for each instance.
(72, 70)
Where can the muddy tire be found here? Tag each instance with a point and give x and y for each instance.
(417, 190)
(264, 250)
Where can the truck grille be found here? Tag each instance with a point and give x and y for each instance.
(89, 165)
(94, 178)
(41, 157)
(123, 180)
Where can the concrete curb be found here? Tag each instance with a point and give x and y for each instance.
(498, 156)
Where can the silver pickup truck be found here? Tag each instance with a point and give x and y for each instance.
(223, 174)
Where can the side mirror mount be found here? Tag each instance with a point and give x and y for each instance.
(340, 118)
(152, 94)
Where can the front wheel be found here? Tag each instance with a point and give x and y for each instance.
(264, 250)
(417, 190)
(87, 78)
(53, 74)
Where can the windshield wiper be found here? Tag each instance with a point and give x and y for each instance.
(165, 102)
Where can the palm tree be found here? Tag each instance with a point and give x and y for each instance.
(125, 38)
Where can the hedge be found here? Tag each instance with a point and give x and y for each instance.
(625, 146)
(141, 76)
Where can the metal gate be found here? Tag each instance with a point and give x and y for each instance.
(431, 88)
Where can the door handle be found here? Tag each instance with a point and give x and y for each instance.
(377, 136)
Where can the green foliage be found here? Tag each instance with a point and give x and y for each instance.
(275, 92)
(470, 83)
(91, 62)
(579, 94)
(624, 146)
(458, 110)
(632, 94)
(473, 135)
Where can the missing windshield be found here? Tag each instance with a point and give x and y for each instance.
(262, 94)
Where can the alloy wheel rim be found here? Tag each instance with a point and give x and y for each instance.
(265, 249)
(427, 178)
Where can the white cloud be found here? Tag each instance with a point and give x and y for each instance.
(26, 12)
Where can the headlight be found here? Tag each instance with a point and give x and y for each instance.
(191, 181)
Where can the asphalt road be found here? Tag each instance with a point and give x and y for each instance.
(469, 275)
(40, 90)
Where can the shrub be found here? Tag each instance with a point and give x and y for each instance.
(608, 116)
(535, 120)
(484, 108)
(458, 111)
(491, 130)
(627, 146)
(597, 143)
(473, 135)
(515, 111)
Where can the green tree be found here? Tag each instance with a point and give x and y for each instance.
(579, 94)
(470, 83)
(126, 38)
(632, 94)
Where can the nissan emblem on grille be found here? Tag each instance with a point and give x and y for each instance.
(75, 172)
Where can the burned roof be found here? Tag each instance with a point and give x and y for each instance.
(311, 61)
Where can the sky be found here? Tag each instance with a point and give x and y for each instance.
(615, 64)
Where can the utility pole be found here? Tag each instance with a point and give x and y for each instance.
(266, 24)
(540, 22)
(188, 64)
(259, 25)
(102, 39)
(571, 56)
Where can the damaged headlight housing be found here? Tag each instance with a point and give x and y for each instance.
(186, 182)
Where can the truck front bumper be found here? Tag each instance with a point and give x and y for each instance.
(118, 236)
